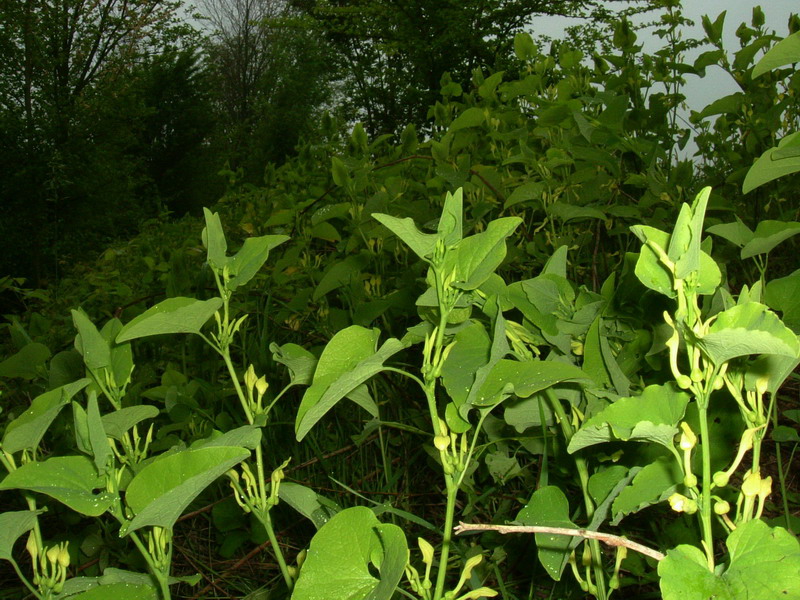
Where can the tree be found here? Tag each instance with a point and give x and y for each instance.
(63, 63)
(393, 52)
(270, 75)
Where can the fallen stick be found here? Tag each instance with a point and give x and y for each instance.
(606, 538)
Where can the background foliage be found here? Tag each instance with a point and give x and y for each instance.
(306, 119)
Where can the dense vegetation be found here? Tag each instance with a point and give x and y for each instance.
(541, 312)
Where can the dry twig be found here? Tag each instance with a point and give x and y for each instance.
(606, 538)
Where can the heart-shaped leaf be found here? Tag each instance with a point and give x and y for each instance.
(338, 563)
(764, 563)
(173, 315)
(160, 492)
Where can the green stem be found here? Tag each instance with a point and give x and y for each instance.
(267, 522)
(779, 465)
(226, 356)
(24, 580)
(441, 575)
(161, 578)
(583, 476)
(705, 495)
(262, 486)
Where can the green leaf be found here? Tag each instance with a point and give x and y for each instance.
(308, 503)
(769, 234)
(468, 355)
(654, 483)
(92, 346)
(69, 479)
(214, 240)
(524, 378)
(27, 430)
(654, 275)
(549, 507)
(360, 396)
(393, 552)
(26, 363)
(118, 422)
(341, 175)
(522, 413)
(338, 563)
(784, 433)
(684, 243)
(251, 257)
(737, 232)
(649, 269)
(300, 362)
(479, 255)
(173, 315)
(603, 482)
(98, 442)
(161, 491)
(422, 244)
(450, 228)
(599, 360)
(764, 563)
(65, 367)
(472, 117)
(349, 359)
(746, 329)
(652, 417)
(531, 190)
(785, 52)
(341, 273)
(118, 591)
(774, 368)
(246, 436)
(774, 163)
(12, 526)
(732, 103)
(524, 48)
(784, 295)
(569, 212)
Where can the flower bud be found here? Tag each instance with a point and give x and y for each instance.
(677, 502)
(52, 555)
(720, 478)
(250, 377)
(427, 551)
(31, 546)
(766, 487)
(751, 486)
(721, 507)
(63, 556)
(261, 385)
(688, 437)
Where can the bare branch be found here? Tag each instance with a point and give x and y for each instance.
(606, 538)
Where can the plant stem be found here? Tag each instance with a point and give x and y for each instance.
(705, 495)
(583, 476)
(267, 522)
(779, 465)
(441, 575)
(226, 356)
(24, 580)
(161, 578)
